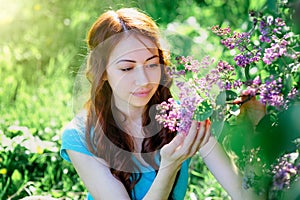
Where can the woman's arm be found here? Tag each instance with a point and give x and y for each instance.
(99, 181)
(224, 171)
(97, 177)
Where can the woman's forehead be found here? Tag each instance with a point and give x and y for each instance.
(133, 45)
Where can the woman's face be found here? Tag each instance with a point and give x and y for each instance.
(133, 71)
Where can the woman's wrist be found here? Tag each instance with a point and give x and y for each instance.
(169, 167)
(163, 182)
(206, 149)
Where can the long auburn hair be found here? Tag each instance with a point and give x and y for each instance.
(105, 138)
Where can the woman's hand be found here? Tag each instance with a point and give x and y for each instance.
(251, 109)
(183, 147)
(173, 155)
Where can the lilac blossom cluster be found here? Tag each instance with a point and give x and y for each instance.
(277, 45)
(270, 32)
(226, 76)
(168, 114)
(268, 26)
(285, 171)
(240, 41)
(278, 49)
(194, 87)
(193, 90)
(266, 65)
(220, 31)
(270, 92)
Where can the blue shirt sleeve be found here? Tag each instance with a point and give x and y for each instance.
(72, 140)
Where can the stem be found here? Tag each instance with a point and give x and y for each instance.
(20, 189)
(5, 188)
(247, 70)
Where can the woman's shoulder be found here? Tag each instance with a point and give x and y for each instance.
(73, 136)
(77, 123)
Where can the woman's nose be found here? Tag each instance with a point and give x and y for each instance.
(141, 77)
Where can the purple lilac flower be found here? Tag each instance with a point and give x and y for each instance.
(224, 66)
(242, 40)
(189, 63)
(277, 49)
(268, 24)
(245, 58)
(220, 31)
(236, 40)
(264, 30)
(293, 93)
(255, 57)
(250, 91)
(253, 87)
(237, 84)
(222, 76)
(279, 22)
(228, 42)
(270, 20)
(209, 80)
(256, 81)
(242, 60)
(179, 117)
(188, 107)
(168, 114)
(270, 93)
(206, 61)
(284, 172)
(227, 85)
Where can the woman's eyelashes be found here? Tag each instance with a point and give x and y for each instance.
(153, 65)
(126, 68)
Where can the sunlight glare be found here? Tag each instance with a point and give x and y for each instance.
(9, 10)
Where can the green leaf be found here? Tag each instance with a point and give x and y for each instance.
(221, 98)
(231, 95)
(16, 177)
(217, 128)
(203, 111)
(288, 82)
(271, 4)
(247, 72)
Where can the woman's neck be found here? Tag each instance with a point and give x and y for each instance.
(132, 114)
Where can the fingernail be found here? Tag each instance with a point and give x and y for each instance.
(208, 122)
(198, 125)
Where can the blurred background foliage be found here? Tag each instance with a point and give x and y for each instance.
(42, 45)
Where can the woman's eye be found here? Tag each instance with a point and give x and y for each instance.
(152, 65)
(126, 69)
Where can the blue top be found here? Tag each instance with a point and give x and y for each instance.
(73, 138)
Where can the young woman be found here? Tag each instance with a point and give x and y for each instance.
(115, 143)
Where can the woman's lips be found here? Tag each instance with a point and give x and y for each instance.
(143, 93)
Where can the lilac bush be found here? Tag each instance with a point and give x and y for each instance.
(263, 66)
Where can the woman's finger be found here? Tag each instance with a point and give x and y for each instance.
(207, 133)
(172, 147)
(188, 141)
(199, 138)
(203, 136)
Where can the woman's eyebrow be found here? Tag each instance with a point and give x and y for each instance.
(133, 61)
(154, 56)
